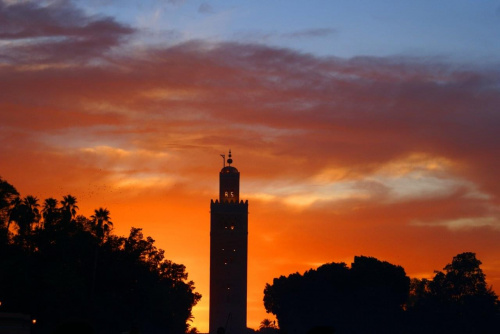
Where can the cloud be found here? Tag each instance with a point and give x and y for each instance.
(414, 178)
(205, 8)
(55, 32)
(258, 36)
(463, 223)
(176, 2)
(311, 131)
(311, 33)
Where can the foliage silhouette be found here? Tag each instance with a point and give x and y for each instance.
(377, 297)
(367, 298)
(25, 214)
(266, 323)
(8, 194)
(50, 212)
(268, 326)
(71, 267)
(69, 208)
(457, 300)
(101, 223)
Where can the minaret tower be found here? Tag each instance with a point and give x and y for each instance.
(228, 255)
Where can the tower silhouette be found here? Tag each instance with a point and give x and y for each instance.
(228, 255)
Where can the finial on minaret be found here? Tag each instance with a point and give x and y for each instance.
(229, 160)
(223, 159)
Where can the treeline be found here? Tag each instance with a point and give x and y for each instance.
(373, 296)
(70, 272)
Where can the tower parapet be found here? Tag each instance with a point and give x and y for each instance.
(245, 202)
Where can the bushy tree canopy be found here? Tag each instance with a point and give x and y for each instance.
(366, 298)
(377, 297)
(7, 195)
(457, 300)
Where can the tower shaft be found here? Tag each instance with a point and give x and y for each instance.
(228, 256)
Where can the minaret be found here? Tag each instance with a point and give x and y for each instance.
(228, 255)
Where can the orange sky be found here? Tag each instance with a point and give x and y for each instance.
(393, 157)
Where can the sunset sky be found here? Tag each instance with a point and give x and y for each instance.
(359, 127)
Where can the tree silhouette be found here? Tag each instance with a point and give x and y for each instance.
(32, 209)
(69, 208)
(266, 323)
(50, 212)
(268, 326)
(367, 298)
(464, 278)
(14, 211)
(457, 300)
(8, 195)
(101, 223)
(54, 279)
(26, 215)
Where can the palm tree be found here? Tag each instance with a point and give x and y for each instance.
(69, 207)
(266, 323)
(25, 214)
(14, 211)
(49, 211)
(31, 203)
(7, 194)
(102, 224)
